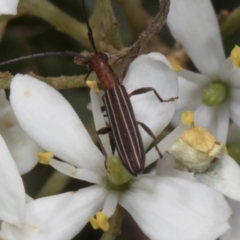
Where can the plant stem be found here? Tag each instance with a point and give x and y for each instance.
(54, 185)
(232, 23)
(61, 82)
(56, 17)
(103, 18)
(114, 224)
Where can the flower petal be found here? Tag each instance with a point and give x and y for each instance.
(8, 120)
(50, 120)
(165, 144)
(214, 119)
(234, 109)
(152, 70)
(194, 25)
(174, 208)
(110, 203)
(206, 117)
(99, 122)
(78, 173)
(59, 217)
(165, 168)
(234, 232)
(8, 6)
(190, 93)
(222, 122)
(224, 176)
(12, 193)
(230, 74)
(22, 148)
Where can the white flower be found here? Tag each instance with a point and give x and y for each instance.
(164, 208)
(223, 175)
(199, 152)
(194, 25)
(12, 195)
(8, 6)
(22, 148)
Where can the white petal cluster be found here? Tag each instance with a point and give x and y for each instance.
(194, 25)
(163, 207)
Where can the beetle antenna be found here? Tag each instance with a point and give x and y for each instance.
(65, 54)
(90, 34)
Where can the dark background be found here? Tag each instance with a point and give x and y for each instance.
(27, 35)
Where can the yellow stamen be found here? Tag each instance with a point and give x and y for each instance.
(188, 118)
(175, 65)
(93, 221)
(235, 56)
(44, 157)
(93, 84)
(101, 221)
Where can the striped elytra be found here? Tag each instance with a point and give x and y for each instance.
(123, 124)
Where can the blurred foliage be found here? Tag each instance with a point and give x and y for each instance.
(28, 35)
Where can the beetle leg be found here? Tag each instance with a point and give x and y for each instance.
(87, 75)
(148, 89)
(150, 133)
(103, 108)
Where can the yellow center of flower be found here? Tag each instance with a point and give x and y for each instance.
(93, 84)
(44, 157)
(100, 221)
(235, 56)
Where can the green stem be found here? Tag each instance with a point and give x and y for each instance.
(54, 185)
(232, 23)
(104, 19)
(114, 224)
(60, 20)
(61, 82)
(139, 20)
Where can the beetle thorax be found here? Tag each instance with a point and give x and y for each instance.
(99, 63)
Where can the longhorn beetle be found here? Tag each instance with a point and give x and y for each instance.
(117, 105)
